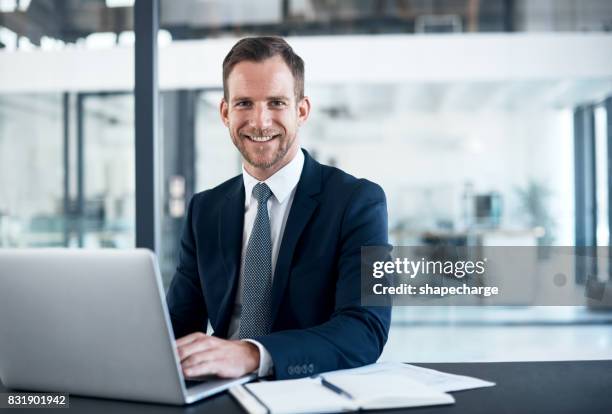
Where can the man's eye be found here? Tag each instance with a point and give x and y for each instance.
(243, 103)
(277, 103)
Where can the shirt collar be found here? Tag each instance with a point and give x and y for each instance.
(281, 183)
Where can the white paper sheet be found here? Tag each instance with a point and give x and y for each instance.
(441, 381)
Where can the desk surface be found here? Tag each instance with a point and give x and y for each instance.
(522, 387)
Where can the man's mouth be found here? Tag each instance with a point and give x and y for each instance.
(262, 138)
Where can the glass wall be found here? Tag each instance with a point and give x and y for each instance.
(32, 170)
(108, 142)
(66, 142)
(442, 150)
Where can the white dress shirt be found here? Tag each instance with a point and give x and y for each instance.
(282, 184)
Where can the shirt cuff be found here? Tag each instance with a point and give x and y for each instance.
(265, 359)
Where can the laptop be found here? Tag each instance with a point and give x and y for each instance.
(91, 323)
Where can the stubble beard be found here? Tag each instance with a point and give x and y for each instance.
(280, 153)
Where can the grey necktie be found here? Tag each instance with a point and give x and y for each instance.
(257, 282)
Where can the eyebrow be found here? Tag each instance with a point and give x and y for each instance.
(269, 98)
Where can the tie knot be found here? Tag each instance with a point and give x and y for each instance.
(262, 192)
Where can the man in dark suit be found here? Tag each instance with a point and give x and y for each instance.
(272, 257)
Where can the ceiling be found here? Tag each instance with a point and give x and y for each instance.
(69, 20)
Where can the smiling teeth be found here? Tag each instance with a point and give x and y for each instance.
(261, 139)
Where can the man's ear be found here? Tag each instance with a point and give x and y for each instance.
(303, 108)
(223, 111)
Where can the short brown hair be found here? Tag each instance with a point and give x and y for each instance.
(258, 49)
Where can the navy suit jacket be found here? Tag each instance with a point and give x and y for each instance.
(318, 322)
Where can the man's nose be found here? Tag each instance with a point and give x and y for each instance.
(261, 118)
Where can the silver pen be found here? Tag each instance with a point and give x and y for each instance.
(335, 388)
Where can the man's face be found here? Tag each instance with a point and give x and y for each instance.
(262, 114)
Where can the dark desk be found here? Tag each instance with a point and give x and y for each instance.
(522, 387)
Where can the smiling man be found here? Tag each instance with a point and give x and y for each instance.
(272, 257)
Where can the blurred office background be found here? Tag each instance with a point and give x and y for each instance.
(486, 122)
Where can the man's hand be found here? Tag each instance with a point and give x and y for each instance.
(201, 354)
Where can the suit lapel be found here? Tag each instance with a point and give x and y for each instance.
(302, 208)
(230, 240)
